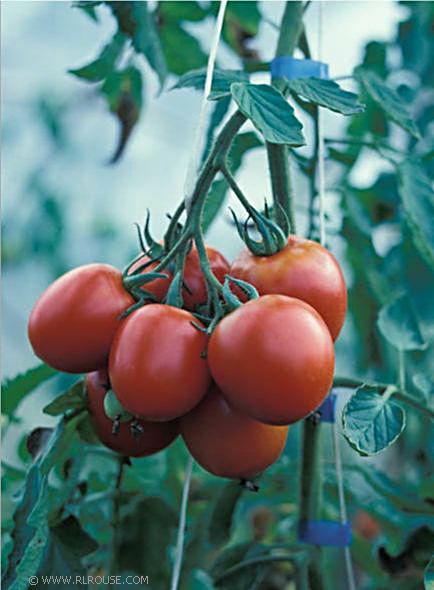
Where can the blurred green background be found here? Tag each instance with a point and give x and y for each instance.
(64, 205)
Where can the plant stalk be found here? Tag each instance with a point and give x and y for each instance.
(291, 28)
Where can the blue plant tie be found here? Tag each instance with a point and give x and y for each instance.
(327, 408)
(292, 68)
(324, 532)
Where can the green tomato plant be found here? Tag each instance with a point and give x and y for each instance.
(75, 508)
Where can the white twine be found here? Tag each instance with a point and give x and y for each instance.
(322, 236)
(321, 155)
(193, 164)
(181, 527)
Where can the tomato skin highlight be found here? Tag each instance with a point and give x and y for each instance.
(72, 324)
(154, 437)
(156, 367)
(303, 269)
(228, 443)
(158, 287)
(273, 359)
(195, 291)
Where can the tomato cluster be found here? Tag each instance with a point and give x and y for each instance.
(232, 393)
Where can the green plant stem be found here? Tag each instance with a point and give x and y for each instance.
(117, 492)
(403, 396)
(311, 472)
(278, 164)
(291, 27)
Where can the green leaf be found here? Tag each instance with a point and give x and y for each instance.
(217, 195)
(417, 196)
(236, 556)
(223, 513)
(88, 8)
(104, 64)
(371, 421)
(221, 82)
(246, 14)
(144, 536)
(328, 94)
(269, 112)
(147, 41)
(59, 443)
(67, 545)
(428, 576)
(388, 99)
(425, 384)
(399, 325)
(123, 82)
(29, 534)
(219, 111)
(73, 399)
(123, 91)
(173, 36)
(181, 11)
(14, 390)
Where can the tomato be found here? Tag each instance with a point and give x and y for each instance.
(228, 443)
(152, 439)
(303, 269)
(366, 525)
(156, 363)
(273, 359)
(159, 287)
(195, 291)
(73, 323)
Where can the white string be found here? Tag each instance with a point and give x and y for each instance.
(196, 152)
(181, 527)
(322, 235)
(321, 156)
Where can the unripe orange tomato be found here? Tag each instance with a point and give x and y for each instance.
(156, 363)
(153, 437)
(273, 359)
(195, 291)
(303, 269)
(228, 443)
(158, 287)
(73, 323)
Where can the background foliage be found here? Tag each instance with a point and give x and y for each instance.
(60, 502)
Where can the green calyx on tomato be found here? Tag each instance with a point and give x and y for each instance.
(135, 438)
(273, 237)
(113, 408)
(303, 269)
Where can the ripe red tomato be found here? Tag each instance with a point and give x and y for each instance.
(196, 292)
(156, 365)
(153, 438)
(228, 443)
(73, 323)
(159, 287)
(273, 359)
(303, 269)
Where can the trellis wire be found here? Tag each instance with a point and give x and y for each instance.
(322, 236)
(188, 189)
(181, 526)
(195, 154)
